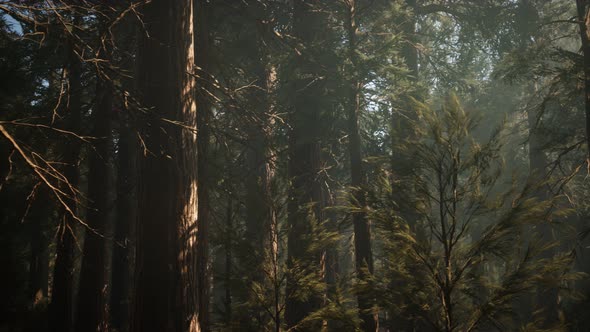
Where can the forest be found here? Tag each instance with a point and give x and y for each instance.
(294, 165)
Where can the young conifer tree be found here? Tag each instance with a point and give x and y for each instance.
(469, 266)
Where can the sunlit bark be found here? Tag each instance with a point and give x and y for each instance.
(166, 297)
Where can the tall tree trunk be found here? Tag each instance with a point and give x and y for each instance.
(91, 313)
(404, 117)
(584, 24)
(362, 227)
(409, 50)
(309, 26)
(123, 250)
(60, 309)
(166, 297)
(203, 46)
(547, 298)
(260, 213)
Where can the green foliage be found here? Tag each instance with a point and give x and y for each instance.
(460, 262)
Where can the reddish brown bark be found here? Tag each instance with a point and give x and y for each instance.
(166, 296)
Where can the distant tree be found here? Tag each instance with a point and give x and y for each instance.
(92, 294)
(61, 307)
(361, 224)
(583, 18)
(308, 84)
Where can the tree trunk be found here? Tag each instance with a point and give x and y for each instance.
(166, 297)
(309, 24)
(404, 117)
(362, 227)
(203, 45)
(60, 309)
(259, 210)
(227, 301)
(260, 213)
(39, 260)
(584, 24)
(91, 315)
(123, 250)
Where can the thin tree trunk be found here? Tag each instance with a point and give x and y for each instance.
(60, 309)
(123, 254)
(362, 227)
(228, 262)
(584, 24)
(166, 296)
(404, 119)
(91, 315)
(309, 26)
(123, 250)
(260, 213)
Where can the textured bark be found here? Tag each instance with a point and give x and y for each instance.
(203, 46)
(165, 297)
(60, 309)
(202, 49)
(91, 315)
(362, 227)
(259, 211)
(309, 25)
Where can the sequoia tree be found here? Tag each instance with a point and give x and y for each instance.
(165, 296)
